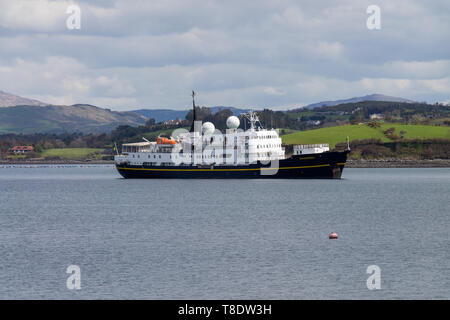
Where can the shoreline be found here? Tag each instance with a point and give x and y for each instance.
(54, 162)
(373, 163)
(398, 163)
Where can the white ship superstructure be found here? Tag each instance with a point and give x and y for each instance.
(311, 148)
(207, 146)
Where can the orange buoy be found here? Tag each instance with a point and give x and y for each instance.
(333, 235)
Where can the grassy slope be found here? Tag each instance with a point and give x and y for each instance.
(419, 131)
(71, 153)
(334, 135)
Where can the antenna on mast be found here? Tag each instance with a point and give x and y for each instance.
(253, 119)
(194, 113)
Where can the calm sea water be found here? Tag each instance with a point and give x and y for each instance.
(223, 239)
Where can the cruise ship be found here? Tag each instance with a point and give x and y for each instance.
(205, 152)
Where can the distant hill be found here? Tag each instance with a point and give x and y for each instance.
(58, 119)
(236, 111)
(371, 97)
(168, 114)
(8, 100)
(162, 114)
(22, 115)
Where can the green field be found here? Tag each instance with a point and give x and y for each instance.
(334, 135)
(419, 131)
(72, 153)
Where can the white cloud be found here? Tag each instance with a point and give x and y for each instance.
(264, 53)
(385, 84)
(38, 15)
(417, 69)
(274, 91)
(68, 80)
(49, 15)
(436, 85)
(405, 86)
(116, 103)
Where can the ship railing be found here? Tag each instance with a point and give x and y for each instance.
(309, 146)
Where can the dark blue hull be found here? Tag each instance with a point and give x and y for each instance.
(327, 165)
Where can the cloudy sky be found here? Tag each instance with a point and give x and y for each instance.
(275, 53)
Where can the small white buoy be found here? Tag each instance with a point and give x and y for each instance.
(333, 235)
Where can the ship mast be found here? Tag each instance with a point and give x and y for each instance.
(194, 114)
(253, 119)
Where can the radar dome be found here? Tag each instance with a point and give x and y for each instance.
(208, 128)
(233, 122)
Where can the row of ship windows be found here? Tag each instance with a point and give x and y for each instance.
(264, 137)
(247, 137)
(208, 156)
(154, 157)
(277, 145)
(170, 156)
(268, 146)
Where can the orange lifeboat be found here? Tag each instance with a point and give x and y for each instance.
(162, 140)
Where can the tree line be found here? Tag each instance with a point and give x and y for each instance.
(298, 119)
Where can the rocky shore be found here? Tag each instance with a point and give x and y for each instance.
(398, 163)
(375, 163)
(54, 162)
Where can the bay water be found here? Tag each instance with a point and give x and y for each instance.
(223, 239)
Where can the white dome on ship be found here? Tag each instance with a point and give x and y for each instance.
(208, 128)
(233, 122)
